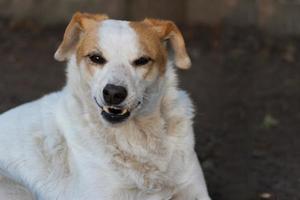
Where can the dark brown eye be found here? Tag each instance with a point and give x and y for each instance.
(142, 61)
(97, 59)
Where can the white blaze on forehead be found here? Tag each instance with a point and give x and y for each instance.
(118, 41)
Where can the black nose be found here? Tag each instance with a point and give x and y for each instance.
(114, 94)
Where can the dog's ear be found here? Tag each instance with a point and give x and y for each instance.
(79, 23)
(167, 30)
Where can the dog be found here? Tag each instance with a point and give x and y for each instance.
(120, 129)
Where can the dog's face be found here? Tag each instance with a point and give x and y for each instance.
(122, 62)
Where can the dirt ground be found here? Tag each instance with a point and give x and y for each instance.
(246, 88)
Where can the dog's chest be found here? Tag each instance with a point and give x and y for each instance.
(141, 154)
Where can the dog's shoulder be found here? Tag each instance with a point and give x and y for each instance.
(178, 113)
(176, 97)
(176, 103)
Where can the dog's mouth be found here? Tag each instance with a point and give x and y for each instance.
(115, 114)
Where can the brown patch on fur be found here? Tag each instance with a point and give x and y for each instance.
(81, 24)
(130, 161)
(167, 30)
(151, 45)
(86, 45)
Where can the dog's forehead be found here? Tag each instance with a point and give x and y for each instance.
(115, 25)
(117, 36)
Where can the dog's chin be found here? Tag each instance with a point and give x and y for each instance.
(115, 115)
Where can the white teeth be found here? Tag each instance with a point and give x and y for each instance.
(105, 109)
(124, 111)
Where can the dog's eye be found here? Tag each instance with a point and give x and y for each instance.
(142, 61)
(97, 59)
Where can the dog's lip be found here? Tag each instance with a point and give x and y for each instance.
(115, 110)
(115, 115)
(107, 107)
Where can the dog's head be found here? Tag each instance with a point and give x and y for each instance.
(122, 62)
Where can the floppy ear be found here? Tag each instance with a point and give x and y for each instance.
(79, 23)
(167, 30)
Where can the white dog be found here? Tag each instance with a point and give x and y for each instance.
(119, 130)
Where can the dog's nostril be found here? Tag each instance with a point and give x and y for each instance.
(105, 92)
(114, 94)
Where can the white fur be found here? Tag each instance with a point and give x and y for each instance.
(59, 147)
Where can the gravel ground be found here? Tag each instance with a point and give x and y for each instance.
(246, 88)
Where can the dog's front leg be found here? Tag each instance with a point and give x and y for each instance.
(194, 186)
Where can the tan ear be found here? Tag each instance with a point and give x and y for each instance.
(79, 23)
(167, 30)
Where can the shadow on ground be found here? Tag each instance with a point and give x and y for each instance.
(246, 88)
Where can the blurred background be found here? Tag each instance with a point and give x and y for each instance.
(245, 80)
